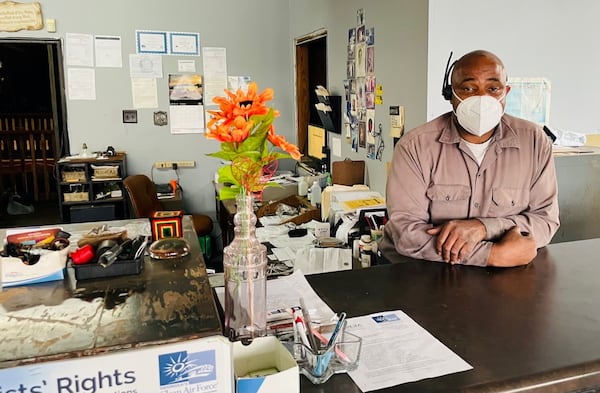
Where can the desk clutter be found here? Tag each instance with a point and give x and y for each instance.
(35, 255)
(317, 239)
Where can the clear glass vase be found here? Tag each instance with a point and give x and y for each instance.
(245, 267)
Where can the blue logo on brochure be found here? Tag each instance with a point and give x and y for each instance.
(178, 367)
(386, 318)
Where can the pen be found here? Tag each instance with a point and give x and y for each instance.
(336, 330)
(324, 340)
(311, 337)
(301, 331)
(322, 364)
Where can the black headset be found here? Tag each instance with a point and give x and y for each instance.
(446, 86)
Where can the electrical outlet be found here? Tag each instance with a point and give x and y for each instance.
(169, 164)
(129, 116)
(186, 164)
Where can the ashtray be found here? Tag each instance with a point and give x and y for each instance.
(169, 248)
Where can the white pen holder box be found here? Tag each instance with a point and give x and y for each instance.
(265, 366)
(320, 364)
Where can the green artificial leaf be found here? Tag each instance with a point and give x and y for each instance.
(229, 193)
(226, 176)
(279, 155)
(227, 156)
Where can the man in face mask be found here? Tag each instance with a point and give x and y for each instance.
(474, 186)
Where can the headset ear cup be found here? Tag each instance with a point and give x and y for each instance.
(447, 92)
(446, 86)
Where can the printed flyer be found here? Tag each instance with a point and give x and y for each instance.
(201, 365)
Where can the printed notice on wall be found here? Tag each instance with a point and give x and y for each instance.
(215, 72)
(81, 83)
(108, 51)
(80, 50)
(144, 93)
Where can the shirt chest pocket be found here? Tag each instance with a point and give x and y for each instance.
(448, 201)
(507, 201)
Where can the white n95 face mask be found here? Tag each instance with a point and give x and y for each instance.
(479, 114)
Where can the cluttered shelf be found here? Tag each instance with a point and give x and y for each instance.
(91, 188)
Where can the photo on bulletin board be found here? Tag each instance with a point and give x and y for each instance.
(360, 16)
(362, 134)
(185, 89)
(351, 42)
(370, 34)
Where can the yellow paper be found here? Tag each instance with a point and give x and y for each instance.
(316, 141)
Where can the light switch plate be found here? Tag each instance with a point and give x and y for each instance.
(129, 116)
(51, 25)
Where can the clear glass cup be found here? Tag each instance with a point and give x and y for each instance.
(320, 364)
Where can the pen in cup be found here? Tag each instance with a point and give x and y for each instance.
(324, 340)
(324, 359)
(299, 323)
(336, 330)
(308, 327)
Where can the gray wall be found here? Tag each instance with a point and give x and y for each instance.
(400, 60)
(557, 40)
(413, 39)
(255, 35)
(259, 37)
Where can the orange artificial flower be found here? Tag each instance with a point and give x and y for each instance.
(244, 126)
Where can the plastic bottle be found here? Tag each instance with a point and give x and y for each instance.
(302, 187)
(315, 194)
(329, 183)
(366, 250)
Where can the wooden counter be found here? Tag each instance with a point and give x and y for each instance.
(526, 329)
(169, 301)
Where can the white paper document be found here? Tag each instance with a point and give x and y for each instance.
(80, 49)
(81, 83)
(108, 51)
(285, 292)
(396, 350)
(144, 93)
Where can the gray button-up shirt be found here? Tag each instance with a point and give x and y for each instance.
(435, 178)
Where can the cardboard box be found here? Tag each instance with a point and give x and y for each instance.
(265, 366)
(307, 213)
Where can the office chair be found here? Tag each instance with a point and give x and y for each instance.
(144, 201)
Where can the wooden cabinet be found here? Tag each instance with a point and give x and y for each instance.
(91, 189)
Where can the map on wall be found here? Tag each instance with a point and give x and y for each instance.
(529, 98)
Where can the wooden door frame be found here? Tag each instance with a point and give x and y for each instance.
(301, 85)
(57, 89)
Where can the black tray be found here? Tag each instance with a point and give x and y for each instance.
(121, 267)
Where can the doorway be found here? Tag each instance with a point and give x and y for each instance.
(311, 71)
(33, 134)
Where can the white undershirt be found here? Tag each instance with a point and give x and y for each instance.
(479, 149)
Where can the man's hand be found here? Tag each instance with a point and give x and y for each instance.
(456, 238)
(515, 248)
